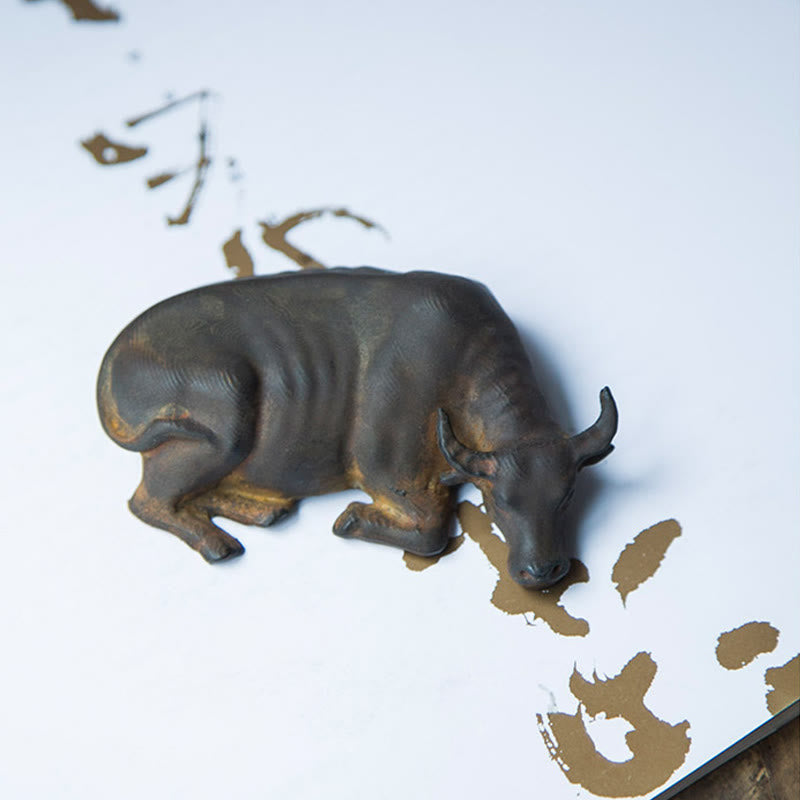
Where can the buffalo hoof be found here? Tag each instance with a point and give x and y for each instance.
(220, 548)
(348, 522)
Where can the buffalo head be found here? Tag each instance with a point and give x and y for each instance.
(527, 488)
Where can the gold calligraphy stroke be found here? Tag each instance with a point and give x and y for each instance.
(236, 256)
(108, 152)
(739, 647)
(88, 11)
(201, 169)
(418, 563)
(274, 233)
(785, 683)
(201, 94)
(510, 597)
(640, 559)
(658, 748)
(203, 161)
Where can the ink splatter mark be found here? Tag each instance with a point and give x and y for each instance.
(658, 748)
(737, 648)
(785, 683)
(419, 563)
(512, 598)
(237, 257)
(87, 11)
(108, 153)
(643, 556)
(274, 234)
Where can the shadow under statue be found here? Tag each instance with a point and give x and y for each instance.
(246, 396)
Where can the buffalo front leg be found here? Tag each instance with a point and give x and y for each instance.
(419, 525)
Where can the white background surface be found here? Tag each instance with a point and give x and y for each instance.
(624, 178)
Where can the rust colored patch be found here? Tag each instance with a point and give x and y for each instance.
(87, 11)
(658, 748)
(237, 257)
(643, 556)
(738, 648)
(509, 596)
(418, 563)
(785, 683)
(108, 153)
(274, 234)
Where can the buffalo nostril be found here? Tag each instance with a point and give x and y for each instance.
(544, 576)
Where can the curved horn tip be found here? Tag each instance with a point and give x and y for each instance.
(607, 402)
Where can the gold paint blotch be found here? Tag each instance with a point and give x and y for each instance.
(161, 179)
(237, 257)
(274, 234)
(643, 556)
(202, 95)
(658, 748)
(108, 153)
(418, 563)
(509, 596)
(200, 170)
(737, 648)
(87, 11)
(785, 683)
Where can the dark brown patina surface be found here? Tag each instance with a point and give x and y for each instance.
(246, 396)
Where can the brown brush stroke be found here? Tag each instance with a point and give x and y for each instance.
(99, 143)
(201, 168)
(161, 179)
(509, 596)
(418, 563)
(739, 647)
(237, 257)
(87, 11)
(643, 556)
(274, 234)
(785, 683)
(201, 95)
(658, 748)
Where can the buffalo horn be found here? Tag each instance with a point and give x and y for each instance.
(595, 442)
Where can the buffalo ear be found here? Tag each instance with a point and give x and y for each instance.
(466, 463)
(588, 462)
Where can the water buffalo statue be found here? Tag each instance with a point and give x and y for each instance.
(246, 396)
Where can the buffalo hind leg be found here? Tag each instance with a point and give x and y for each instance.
(190, 525)
(176, 472)
(421, 527)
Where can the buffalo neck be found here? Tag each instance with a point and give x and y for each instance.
(502, 404)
